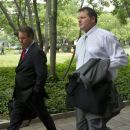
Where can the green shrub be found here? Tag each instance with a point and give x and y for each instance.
(6, 85)
(56, 88)
(123, 82)
(57, 94)
(62, 68)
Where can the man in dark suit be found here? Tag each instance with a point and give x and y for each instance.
(31, 74)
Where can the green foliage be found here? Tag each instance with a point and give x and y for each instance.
(122, 9)
(111, 23)
(56, 92)
(122, 15)
(123, 82)
(61, 68)
(6, 77)
(6, 85)
(55, 89)
(67, 26)
(4, 98)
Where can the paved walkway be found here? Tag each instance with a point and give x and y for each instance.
(120, 122)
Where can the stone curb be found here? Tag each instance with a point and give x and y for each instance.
(126, 102)
(5, 123)
(57, 116)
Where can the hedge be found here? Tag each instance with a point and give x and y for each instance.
(56, 88)
(122, 82)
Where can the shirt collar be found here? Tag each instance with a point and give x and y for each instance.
(90, 31)
(29, 46)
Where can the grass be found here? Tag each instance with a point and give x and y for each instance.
(11, 59)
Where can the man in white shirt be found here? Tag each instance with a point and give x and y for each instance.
(96, 43)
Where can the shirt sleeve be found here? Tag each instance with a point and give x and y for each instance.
(115, 52)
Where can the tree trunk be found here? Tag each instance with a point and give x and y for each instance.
(20, 13)
(11, 23)
(82, 2)
(53, 39)
(46, 28)
(29, 13)
(30, 17)
(38, 24)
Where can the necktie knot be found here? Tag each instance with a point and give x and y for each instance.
(86, 37)
(23, 53)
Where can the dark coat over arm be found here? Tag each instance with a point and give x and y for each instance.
(91, 89)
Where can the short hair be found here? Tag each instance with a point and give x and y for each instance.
(91, 12)
(28, 30)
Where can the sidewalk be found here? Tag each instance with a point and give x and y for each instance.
(120, 122)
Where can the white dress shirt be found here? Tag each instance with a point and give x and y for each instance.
(29, 47)
(100, 43)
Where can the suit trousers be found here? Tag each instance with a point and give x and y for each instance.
(35, 104)
(88, 121)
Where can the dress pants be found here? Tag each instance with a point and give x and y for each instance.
(34, 103)
(88, 121)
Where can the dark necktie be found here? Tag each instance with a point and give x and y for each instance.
(23, 53)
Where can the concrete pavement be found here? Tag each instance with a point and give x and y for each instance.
(120, 122)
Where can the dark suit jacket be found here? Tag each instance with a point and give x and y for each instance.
(31, 74)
